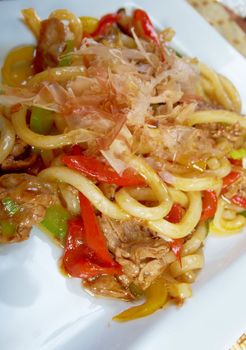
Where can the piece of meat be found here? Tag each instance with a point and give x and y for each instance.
(108, 286)
(188, 98)
(149, 272)
(32, 196)
(203, 106)
(126, 231)
(141, 254)
(20, 158)
(36, 167)
(51, 44)
(30, 216)
(143, 261)
(233, 133)
(184, 145)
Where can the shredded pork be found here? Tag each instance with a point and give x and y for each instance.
(108, 286)
(20, 158)
(31, 196)
(141, 255)
(233, 133)
(51, 43)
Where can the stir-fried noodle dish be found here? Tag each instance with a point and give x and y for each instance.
(123, 151)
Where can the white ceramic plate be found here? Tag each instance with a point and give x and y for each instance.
(40, 309)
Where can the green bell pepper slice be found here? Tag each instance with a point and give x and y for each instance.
(10, 206)
(66, 61)
(41, 120)
(238, 153)
(56, 222)
(7, 228)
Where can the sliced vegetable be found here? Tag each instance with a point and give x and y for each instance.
(41, 120)
(77, 265)
(10, 206)
(66, 61)
(176, 247)
(239, 200)
(89, 24)
(76, 150)
(236, 162)
(93, 236)
(176, 213)
(156, 297)
(56, 222)
(209, 205)
(243, 213)
(102, 172)
(80, 260)
(229, 180)
(142, 20)
(105, 22)
(17, 66)
(238, 154)
(7, 228)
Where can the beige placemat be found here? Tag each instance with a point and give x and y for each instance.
(223, 21)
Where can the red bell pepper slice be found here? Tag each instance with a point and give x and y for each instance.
(102, 172)
(75, 150)
(239, 200)
(229, 180)
(209, 205)
(176, 213)
(79, 259)
(176, 246)
(175, 216)
(104, 23)
(94, 238)
(80, 268)
(76, 232)
(236, 162)
(141, 17)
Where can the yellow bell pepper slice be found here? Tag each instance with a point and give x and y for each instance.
(156, 297)
(17, 66)
(89, 24)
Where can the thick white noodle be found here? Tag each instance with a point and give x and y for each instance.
(190, 219)
(87, 187)
(7, 138)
